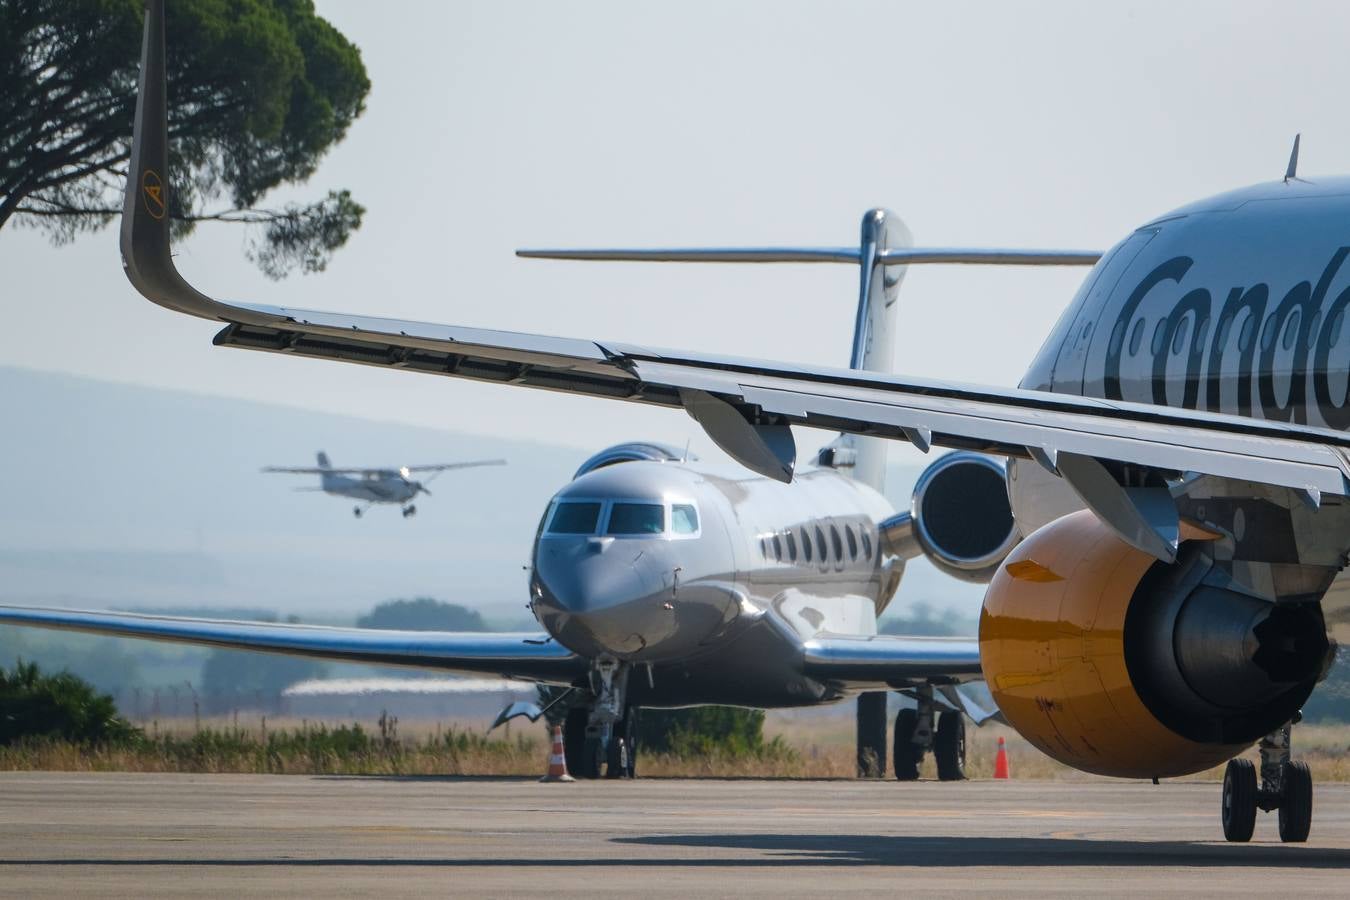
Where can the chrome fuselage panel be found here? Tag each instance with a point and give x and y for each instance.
(719, 615)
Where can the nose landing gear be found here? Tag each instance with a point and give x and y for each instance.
(1285, 786)
(600, 739)
(409, 511)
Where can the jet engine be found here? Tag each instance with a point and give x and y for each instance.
(1115, 663)
(959, 518)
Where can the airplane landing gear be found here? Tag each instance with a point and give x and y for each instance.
(409, 510)
(1285, 785)
(356, 511)
(600, 739)
(915, 736)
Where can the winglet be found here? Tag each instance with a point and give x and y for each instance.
(147, 207)
(1291, 171)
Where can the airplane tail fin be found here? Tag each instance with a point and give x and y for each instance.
(322, 459)
(883, 255)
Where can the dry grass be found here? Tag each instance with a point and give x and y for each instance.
(806, 749)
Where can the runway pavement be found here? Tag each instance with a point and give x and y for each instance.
(231, 835)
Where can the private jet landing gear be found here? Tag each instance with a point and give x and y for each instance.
(915, 736)
(1285, 786)
(409, 511)
(600, 739)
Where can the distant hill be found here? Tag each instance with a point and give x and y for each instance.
(126, 496)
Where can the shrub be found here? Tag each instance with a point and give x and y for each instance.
(34, 706)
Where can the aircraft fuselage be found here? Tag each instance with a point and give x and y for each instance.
(712, 577)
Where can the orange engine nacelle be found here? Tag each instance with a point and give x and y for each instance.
(1117, 664)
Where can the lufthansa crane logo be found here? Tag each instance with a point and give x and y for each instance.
(152, 193)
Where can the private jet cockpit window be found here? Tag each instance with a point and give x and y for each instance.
(636, 519)
(683, 519)
(575, 517)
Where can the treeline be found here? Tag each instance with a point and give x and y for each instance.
(151, 679)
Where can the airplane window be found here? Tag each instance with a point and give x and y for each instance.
(821, 546)
(1268, 334)
(683, 519)
(1136, 336)
(1248, 333)
(806, 545)
(791, 545)
(867, 544)
(1117, 338)
(1291, 329)
(852, 542)
(777, 548)
(636, 518)
(1179, 339)
(1225, 326)
(838, 544)
(1314, 327)
(575, 518)
(1159, 336)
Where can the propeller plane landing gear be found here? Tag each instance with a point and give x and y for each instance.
(915, 736)
(409, 511)
(1285, 786)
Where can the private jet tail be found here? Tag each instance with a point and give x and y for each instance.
(884, 253)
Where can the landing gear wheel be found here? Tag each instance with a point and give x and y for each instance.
(949, 747)
(1296, 804)
(905, 756)
(356, 511)
(627, 731)
(574, 738)
(1239, 801)
(592, 758)
(409, 511)
(616, 765)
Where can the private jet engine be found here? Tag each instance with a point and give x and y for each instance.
(1115, 663)
(959, 518)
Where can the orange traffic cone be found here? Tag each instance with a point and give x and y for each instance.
(557, 759)
(1001, 761)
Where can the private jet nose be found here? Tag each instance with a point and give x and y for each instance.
(603, 595)
(621, 568)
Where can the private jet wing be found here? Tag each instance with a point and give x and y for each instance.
(896, 662)
(746, 405)
(526, 656)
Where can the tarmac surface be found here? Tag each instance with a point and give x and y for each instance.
(232, 835)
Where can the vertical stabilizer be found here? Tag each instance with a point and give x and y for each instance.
(323, 460)
(873, 336)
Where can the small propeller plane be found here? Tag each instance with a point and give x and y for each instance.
(377, 485)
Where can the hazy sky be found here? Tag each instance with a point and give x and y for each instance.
(497, 125)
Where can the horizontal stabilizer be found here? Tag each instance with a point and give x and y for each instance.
(900, 256)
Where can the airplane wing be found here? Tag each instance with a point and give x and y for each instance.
(526, 656)
(859, 662)
(902, 663)
(446, 467)
(747, 405)
(312, 470)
